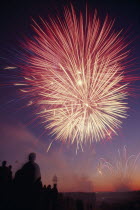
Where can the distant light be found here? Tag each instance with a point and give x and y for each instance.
(10, 67)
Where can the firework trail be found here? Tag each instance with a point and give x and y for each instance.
(74, 75)
(122, 168)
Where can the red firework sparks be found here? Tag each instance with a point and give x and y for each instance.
(75, 74)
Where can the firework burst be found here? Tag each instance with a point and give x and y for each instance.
(74, 74)
(122, 168)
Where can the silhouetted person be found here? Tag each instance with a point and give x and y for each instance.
(47, 197)
(54, 197)
(10, 174)
(18, 186)
(48, 188)
(10, 186)
(28, 183)
(31, 170)
(4, 172)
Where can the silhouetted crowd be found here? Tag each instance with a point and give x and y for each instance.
(25, 190)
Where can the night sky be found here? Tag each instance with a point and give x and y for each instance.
(21, 134)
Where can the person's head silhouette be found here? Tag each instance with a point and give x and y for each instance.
(4, 163)
(10, 167)
(32, 157)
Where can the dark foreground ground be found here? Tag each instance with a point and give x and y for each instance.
(107, 200)
(82, 201)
